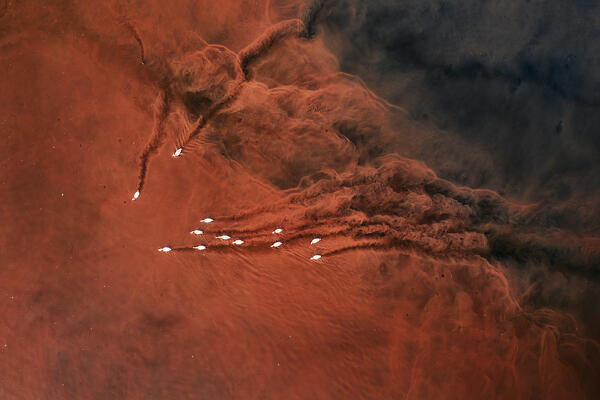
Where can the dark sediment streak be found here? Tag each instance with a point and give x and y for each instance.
(161, 111)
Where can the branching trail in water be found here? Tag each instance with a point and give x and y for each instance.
(340, 220)
(257, 49)
(331, 267)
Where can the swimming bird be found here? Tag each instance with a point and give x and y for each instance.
(165, 249)
(238, 242)
(276, 244)
(315, 257)
(223, 237)
(136, 195)
(276, 231)
(177, 152)
(200, 247)
(196, 232)
(207, 220)
(315, 240)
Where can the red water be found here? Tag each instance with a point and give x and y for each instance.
(402, 304)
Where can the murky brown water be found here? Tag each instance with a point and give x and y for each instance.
(401, 305)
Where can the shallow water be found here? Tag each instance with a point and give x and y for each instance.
(406, 301)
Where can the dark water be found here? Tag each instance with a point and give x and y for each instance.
(425, 289)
